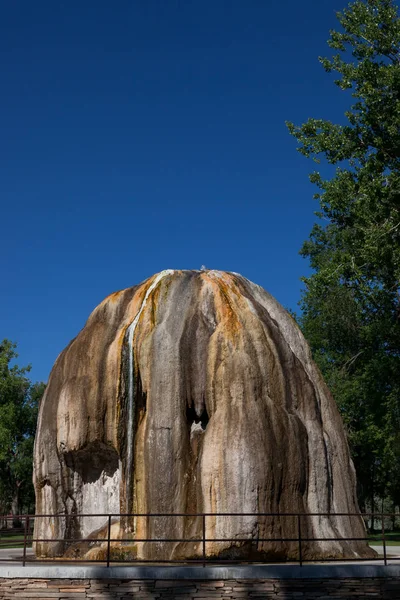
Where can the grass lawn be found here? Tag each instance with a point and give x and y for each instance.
(13, 541)
(392, 538)
(380, 543)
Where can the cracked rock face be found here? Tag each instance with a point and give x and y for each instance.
(193, 392)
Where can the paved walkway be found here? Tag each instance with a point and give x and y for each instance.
(287, 571)
(390, 550)
(11, 566)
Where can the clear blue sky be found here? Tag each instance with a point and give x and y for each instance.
(142, 135)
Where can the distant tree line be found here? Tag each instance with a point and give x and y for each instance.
(351, 301)
(19, 402)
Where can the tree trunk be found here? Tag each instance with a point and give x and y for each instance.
(394, 516)
(372, 498)
(15, 506)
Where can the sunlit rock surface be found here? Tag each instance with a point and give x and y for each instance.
(193, 392)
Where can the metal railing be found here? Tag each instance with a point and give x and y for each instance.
(26, 534)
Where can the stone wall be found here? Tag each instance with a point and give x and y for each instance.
(279, 589)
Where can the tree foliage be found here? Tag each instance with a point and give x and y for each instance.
(19, 401)
(351, 302)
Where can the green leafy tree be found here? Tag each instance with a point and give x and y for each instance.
(19, 401)
(351, 302)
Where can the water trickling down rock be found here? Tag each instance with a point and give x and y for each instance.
(193, 392)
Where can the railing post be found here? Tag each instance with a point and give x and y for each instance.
(108, 540)
(25, 536)
(384, 541)
(299, 535)
(204, 539)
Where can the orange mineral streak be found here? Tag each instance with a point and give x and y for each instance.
(115, 296)
(151, 311)
(111, 298)
(224, 289)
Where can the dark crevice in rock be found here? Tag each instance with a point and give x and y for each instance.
(197, 419)
(136, 402)
(141, 398)
(72, 527)
(123, 396)
(43, 482)
(327, 452)
(92, 460)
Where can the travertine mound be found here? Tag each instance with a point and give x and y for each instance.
(193, 392)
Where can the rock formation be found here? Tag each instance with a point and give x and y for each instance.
(193, 392)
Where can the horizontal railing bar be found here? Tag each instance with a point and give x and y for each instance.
(222, 514)
(59, 561)
(172, 540)
(196, 560)
(138, 561)
(378, 559)
(337, 539)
